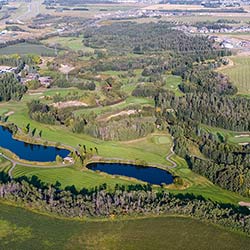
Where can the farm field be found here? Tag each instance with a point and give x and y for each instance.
(26, 48)
(239, 73)
(21, 228)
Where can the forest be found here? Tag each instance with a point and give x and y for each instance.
(10, 88)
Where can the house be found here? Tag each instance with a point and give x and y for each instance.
(68, 160)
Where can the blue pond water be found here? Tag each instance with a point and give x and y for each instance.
(30, 152)
(148, 174)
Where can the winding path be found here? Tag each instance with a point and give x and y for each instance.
(169, 156)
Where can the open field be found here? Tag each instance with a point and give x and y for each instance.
(239, 73)
(26, 48)
(73, 43)
(21, 229)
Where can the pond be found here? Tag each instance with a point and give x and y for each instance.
(151, 175)
(27, 151)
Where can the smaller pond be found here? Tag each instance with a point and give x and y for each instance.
(27, 151)
(148, 174)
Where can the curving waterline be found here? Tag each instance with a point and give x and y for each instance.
(14, 163)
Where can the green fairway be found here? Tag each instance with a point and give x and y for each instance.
(22, 230)
(172, 83)
(239, 73)
(70, 176)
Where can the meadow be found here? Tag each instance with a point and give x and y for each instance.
(27, 48)
(72, 43)
(239, 73)
(19, 229)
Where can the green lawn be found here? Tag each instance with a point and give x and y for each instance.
(239, 73)
(22, 230)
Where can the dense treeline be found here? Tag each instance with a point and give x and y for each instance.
(202, 79)
(130, 200)
(225, 164)
(16, 60)
(130, 37)
(232, 177)
(10, 88)
(209, 108)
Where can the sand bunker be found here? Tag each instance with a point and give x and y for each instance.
(69, 104)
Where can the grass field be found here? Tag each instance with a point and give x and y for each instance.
(26, 48)
(73, 43)
(21, 229)
(239, 73)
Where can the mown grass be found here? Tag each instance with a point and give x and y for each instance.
(239, 73)
(71, 176)
(21, 229)
(172, 83)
